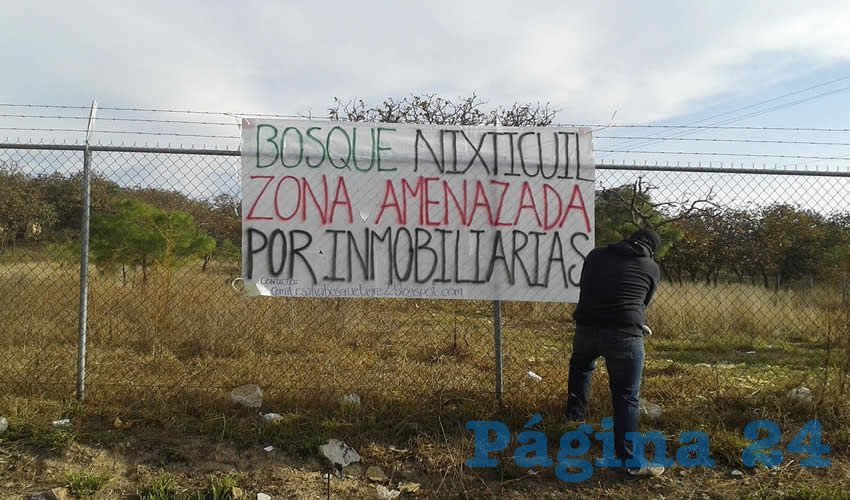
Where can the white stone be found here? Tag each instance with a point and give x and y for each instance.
(408, 487)
(269, 448)
(386, 494)
(263, 496)
(272, 417)
(375, 473)
(721, 365)
(351, 399)
(737, 474)
(59, 494)
(249, 395)
(4, 425)
(534, 376)
(64, 422)
(353, 470)
(800, 395)
(650, 410)
(339, 454)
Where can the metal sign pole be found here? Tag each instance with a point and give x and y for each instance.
(497, 333)
(84, 259)
(497, 344)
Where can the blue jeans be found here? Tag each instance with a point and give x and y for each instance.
(624, 357)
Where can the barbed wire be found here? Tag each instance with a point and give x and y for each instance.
(707, 139)
(754, 105)
(718, 163)
(742, 117)
(162, 110)
(200, 133)
(131, 132)
(231, 124)
(708, 153)
(718, 127)
(51, 106)
(847, 156)
(315, 117)
(142, 120)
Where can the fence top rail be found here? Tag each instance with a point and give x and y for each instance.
(122, 149)
(236, 152)
(725, 170)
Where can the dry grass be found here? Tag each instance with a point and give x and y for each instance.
(170, 349)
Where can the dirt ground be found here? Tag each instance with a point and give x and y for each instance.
(134, 458)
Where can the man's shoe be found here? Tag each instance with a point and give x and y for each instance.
(646, 471)
(572, 416)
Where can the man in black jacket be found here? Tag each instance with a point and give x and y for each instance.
(618, 282)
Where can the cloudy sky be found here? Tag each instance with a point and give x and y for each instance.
(650, 62)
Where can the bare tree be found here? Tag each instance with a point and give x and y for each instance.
(434, 109)
(655, 215)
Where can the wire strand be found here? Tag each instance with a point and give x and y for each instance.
(708, 127)
(733, 119)
(706, 139)
(162, 110)
(51, 106)
(175, 134)
(146, 120)
(707, 153)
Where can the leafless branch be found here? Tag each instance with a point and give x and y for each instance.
(434, 109)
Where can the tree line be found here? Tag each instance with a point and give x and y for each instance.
(131, 228)
(774, 246)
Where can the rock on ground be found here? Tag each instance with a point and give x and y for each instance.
(61, 494)
(386, 494)
(339, 454)
(801, 395)
(408, 487)
(54, 494)
(353, 470)
(375, 473)
(350, 399)
(650, 410)
(249, 395)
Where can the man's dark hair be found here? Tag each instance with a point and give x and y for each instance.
(648, 237)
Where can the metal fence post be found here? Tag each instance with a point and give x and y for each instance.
(497, 344)
(497, 332)
(84, 260)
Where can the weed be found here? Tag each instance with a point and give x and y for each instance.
(840, 440)
(822, 493)
(56, 440)
(727, 446)
(107, 439)
(222, 487)
(84, 484)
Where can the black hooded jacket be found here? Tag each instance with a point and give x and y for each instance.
(618, 282)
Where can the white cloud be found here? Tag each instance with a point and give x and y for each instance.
(647, 60)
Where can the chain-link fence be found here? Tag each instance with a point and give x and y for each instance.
(752, 290)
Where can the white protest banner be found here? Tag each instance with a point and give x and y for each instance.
(344, 209)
